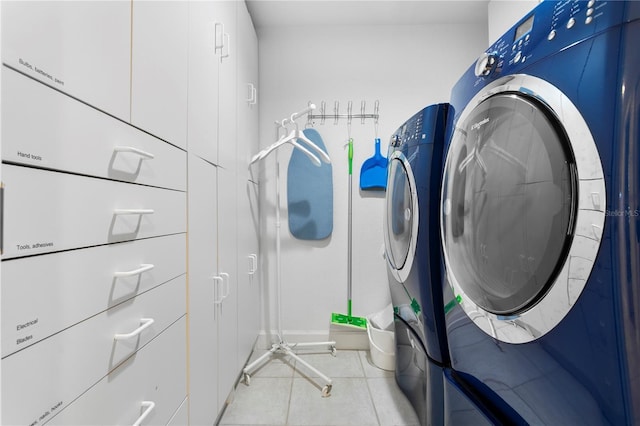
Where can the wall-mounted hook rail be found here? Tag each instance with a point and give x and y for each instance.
(336, 116)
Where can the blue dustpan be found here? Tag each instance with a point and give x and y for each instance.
(373, 173)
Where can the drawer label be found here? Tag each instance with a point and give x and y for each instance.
(21, 340)
(21, 247)
(40, 71)
(29, 156)
(47, 413)
(26, 324)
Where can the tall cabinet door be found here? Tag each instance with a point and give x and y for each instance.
(80, 48)
(205, 34)
(205, 291)
(228, 309)
(248, 211)
(227, 84)
(248, 270)
(159, 69)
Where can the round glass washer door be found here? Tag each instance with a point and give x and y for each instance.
(522, 208)
(401, 217)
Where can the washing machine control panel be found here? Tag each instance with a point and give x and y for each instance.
(550, 27)
(410, 132)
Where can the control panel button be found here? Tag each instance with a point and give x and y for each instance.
(591, 3)
(485, 64)
(517, 57)
(551, 35)
(588, 20)
(571, 23)
(589, 12)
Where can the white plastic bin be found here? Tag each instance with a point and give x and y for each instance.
(382, 345)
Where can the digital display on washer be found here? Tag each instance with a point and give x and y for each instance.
(524, 28)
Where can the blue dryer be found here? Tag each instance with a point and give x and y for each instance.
(414, 261)
(539, 222)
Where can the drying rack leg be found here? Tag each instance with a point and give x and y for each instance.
(287, 348)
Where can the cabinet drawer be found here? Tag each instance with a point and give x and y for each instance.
(55, 371)
(42, 295)
(81, 48)
(50, 211)
(71, 136)
(157, 375)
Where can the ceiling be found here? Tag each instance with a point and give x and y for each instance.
(272, 13)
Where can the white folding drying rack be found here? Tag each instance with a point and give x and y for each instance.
(283, 346)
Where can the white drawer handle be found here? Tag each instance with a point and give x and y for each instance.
(144, 267)
(225, 277)
(141, 153)
(150, 405)
(146, 322)
(254, 264)
(133, 211)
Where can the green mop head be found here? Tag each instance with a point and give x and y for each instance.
(349, 320)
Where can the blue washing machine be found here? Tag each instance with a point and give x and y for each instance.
(412, 242)
(539, 222)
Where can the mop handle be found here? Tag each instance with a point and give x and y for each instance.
(349, 230)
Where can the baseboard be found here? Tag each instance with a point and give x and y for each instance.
(346, 337)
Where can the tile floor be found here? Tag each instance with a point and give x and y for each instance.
(283, 394)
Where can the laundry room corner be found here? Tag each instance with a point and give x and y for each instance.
(403, 67)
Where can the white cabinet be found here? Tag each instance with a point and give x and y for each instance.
(45, 128)
(72, 286)
(150, 382)
(127, 127)
(51, 211)
(223, 324)
(227, 268)
(227, 83)
(204, 59)
(249, 290)
(57, 370)
(80, 48)
(206, 289)
(247, 94)
(159, 43)
(213, 289)
(94, 218)
(248, 190)
(212, 81)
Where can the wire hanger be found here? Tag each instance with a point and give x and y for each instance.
(283, 140)
(293, 138)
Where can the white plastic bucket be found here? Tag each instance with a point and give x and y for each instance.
(382, 345)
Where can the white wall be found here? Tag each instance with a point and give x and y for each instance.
(405, 68)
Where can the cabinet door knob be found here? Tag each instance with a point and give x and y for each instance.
(149, 406)
(146, 322)
(144, 267)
